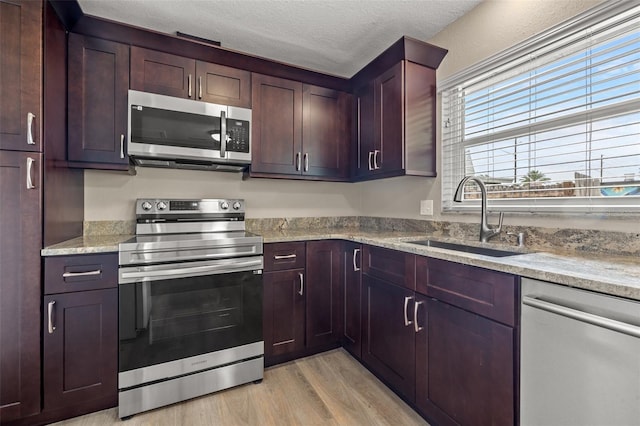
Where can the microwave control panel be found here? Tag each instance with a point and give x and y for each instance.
(238, 134)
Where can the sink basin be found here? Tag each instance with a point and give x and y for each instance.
(485, 251)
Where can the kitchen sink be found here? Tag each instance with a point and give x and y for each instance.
(485, 251)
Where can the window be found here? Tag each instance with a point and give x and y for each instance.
(552, 124)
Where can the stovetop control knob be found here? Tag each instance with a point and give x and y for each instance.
(161, 205)
(236, 205)
(224, 205)
(146, 205)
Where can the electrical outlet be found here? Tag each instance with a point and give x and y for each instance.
(426, 207)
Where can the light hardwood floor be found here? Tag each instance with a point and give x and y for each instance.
(330, 388)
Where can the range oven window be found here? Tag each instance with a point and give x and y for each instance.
(167, 320)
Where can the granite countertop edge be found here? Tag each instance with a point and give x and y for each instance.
(617, 277)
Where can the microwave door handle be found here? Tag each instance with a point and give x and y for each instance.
(223, 134)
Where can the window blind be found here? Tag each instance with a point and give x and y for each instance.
(553, 124)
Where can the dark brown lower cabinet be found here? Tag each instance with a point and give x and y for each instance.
(20, 291)
(464, 367)
(388, 336)
(283, 312)
(80, 348)
(352, 300)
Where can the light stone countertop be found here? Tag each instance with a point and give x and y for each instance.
(619, 276)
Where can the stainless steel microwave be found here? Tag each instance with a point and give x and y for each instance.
(165, 131)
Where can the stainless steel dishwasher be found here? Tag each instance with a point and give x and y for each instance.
(580, 357)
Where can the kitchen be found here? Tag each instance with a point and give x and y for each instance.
(281, 204)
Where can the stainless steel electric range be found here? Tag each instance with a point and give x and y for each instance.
(190, 294)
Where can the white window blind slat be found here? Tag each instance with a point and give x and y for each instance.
(558, 129)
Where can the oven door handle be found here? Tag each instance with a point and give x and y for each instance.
(152, 273)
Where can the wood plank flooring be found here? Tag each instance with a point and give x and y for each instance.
(330, 388)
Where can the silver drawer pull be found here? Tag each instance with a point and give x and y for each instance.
(301, 291)
(284, 256)
(81, 274)
(30, 184)
(355, 255)
(416, 326)
(30, 118)
(50, 327)
(407, 321)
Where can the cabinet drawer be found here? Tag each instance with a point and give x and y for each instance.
(64, 274)
(281, 256)
(393, 266)
(488, 293)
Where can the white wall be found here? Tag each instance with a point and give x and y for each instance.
(491, 27)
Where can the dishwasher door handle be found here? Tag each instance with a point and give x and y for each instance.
(565, 311)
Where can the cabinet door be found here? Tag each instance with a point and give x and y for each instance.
(21, 71)
(389, 113)
(325, 132)
(98, 84)
(365, 136)
(223, 85)
(352, 300)
(277, 125)
(323, 272)
(388, 339)
(20, 245)
(80, 348)
(465, 367)
(284, 306)
(163, 73)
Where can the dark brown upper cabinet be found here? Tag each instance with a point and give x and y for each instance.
(21, 71)
(299, 131)
(394, 112)
(172, 75)
(97, 102)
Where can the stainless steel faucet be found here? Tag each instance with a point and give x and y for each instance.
(486, 232)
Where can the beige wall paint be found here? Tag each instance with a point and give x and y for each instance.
(491, 27)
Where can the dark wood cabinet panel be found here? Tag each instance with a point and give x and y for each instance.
(21, 71)
(80, 348)
(488, 293)
(64, 274)
(323, 273)
(98, 84)
(325, 132)
(465, 367)
(420, 120)
(365, 131)
(389, 109)
(20, 295)
(162, 73)
(277, 125)
(393, 266)
(284, 312)
(223, 85)
(388, 338)
(281, 256)
(352, 299)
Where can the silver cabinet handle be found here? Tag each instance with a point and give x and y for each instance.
(589, 318)
(301, 291)
(81, 274)
(355, 265)
(284, 256)
(30, 184)
(200, 87)
(306, 161)
(370, 160)
(223, 134)
(189, 84)
(51, 327)
(298, 158)
(30, 118)
(375, 159)
(121, 146)
(407, 321)
(417, 328)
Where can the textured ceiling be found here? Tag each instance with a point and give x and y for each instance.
(332, 36)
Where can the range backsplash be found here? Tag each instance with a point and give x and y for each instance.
(537, 238)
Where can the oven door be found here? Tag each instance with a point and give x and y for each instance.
(175, 319)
